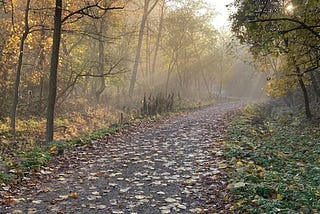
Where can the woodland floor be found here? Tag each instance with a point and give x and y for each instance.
(171, 165)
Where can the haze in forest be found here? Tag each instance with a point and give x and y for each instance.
(117, 55)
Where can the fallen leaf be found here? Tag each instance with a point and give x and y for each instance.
(236, 185)
(139, 197)
(73, 195)
(170, 200)
(63, 196)
(37, 201)
(279, 197)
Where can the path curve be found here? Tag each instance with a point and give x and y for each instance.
(172, 165)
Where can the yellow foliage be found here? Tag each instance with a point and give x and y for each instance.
(281, 86)
(4, 126)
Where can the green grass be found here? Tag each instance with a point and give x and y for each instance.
(275, 166)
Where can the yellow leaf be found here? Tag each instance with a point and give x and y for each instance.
(233, 159)
(9, 163)
(53, 149)
(239, 163)
(259, 168)
(251, 163)
(281, 154)
(240, 202)
(261, 174)
(188, 182)
(279, 197)
(73, 195)
(291, 187)
(317, 194)
(222, 165)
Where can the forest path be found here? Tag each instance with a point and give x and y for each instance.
(171, 165)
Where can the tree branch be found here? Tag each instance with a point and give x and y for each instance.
(302, 24)
(108, 73)
(83, 10)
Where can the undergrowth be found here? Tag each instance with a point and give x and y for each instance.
(275, 163)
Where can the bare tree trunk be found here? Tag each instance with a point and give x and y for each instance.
(41, 68)
(102, 82)
(54, 71)
(170, 68)
(157, 45)
(202, 70)
(19, 67)
(146, 12)
(148, 55)
(138, 51)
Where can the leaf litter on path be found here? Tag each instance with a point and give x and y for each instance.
(170, 165)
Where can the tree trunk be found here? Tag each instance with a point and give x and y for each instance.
(315, 84)
(202, 70)
(148, 53)
(157, 45)
(41, 68)
(102, 82)
(305, 93)
(18, 70)
(170, 68)
(54, 71)
(146, 12)
(138, 51)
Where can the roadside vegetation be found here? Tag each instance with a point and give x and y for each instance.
(275, 161)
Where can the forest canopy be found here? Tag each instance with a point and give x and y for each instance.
(284, 36)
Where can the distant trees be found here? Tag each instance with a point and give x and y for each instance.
(190, 42)
(99, 49)
(288, 30)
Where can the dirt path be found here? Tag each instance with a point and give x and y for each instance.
(172, 165)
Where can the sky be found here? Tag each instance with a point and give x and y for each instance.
(221, 19)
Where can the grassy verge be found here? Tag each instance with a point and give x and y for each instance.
(275, 163)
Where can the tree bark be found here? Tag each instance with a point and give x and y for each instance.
(54, 71)
(18, 69)
(101, 67)
(305, 94)
(202, 69)
(41, 68)
(172, 63)
(138, 51)
(157, 45)
(146, 12)
(315, 84)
